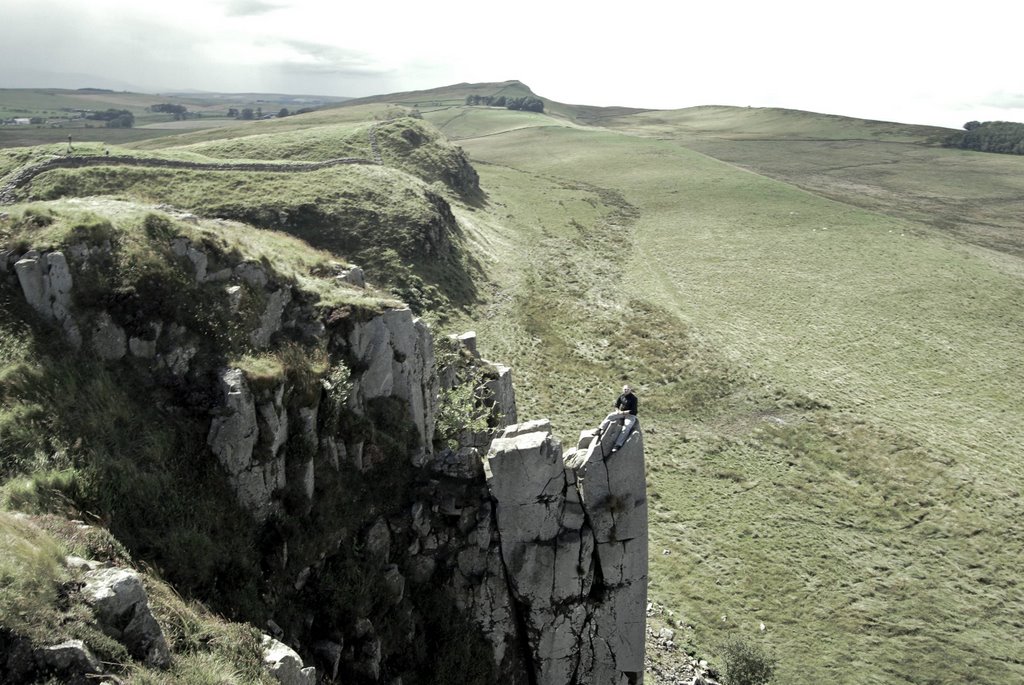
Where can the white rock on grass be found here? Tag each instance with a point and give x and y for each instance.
(119, 601)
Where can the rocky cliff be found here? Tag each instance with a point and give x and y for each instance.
(387, 553)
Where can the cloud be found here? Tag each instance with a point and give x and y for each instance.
(322, 59)
(1003, 100)
(250, 8)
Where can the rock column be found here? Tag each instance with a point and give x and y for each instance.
(573, 537)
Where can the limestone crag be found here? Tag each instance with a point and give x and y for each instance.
(573, 535)
(46, 281)
(544, 553)
(396, 352)
(392, 353)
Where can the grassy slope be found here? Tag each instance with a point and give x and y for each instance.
(389, 217)
(875, 165)
(869, 537)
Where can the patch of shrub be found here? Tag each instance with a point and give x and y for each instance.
(747, 664)
(35, 217)
(159, 227)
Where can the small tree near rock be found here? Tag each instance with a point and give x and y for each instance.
(747, 664)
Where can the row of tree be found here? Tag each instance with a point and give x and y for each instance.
(180, 112)
(115, 118)
(526, 103)
(250, 113)
(991, 136)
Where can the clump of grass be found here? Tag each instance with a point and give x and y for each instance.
(262, 371)
(31, 570)
(44, 491)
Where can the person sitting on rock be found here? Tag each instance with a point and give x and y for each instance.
(625, 410)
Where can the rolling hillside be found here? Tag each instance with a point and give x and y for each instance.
(826, 352)
(821, 316)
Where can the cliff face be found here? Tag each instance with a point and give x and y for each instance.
(573, 541)
(492, 561)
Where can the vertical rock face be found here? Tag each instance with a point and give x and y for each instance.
(573, 538)
(46, 281)
(255, 474)
(396, 351)
(545, 552)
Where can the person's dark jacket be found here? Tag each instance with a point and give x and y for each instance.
(626, 402)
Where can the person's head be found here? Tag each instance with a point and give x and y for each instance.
(627, 389)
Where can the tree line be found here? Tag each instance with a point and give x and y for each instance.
(526, 103)
(115, 118)
(250, 113)
(990, 136)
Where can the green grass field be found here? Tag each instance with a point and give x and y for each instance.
(831, 388)
(822, 316)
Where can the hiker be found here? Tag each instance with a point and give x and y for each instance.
(625, 410)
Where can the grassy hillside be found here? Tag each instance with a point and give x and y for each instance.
(829, 390)
(391, 218)
(894, 169)
(821, 314)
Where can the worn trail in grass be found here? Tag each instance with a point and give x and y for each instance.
(829, 395)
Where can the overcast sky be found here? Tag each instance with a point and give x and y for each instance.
(918, 62)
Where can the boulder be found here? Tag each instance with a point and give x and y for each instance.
(353, 276)
(396, 353)
(285, 664)
(71, 660)
(109, 341)
(119, 601)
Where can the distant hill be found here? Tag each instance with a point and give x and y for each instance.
(456, 94)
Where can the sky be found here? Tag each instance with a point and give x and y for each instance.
(911, 61)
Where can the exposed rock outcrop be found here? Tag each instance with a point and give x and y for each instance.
(573, 537)
(396, 352)
(71, 660)
(119, 601)
(544, 553)
(285, 664)
(46, 282)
